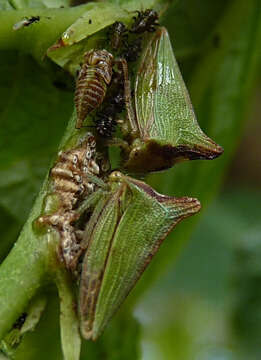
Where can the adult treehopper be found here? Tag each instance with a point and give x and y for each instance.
(163, 129)
(126, 228)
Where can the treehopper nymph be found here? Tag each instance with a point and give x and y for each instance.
(93, 80)
(126, 228)
(74, 177)
(162, 128)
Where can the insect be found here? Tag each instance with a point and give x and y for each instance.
(146, 21)
(105, 121)
(163, 129)
(127, 226)
(93, 80)
(74, 177)
(118, 31)
(132, 50)
(20, 321)
(26, 22)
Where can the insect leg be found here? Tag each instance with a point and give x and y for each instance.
(127, 94)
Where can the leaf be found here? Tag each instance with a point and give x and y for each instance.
(9, 230)
(20, 4)
(78, 38)
(36, 38)
(26, 146)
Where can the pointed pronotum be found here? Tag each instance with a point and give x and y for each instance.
(122, 236)
(167, 127)
(94, 77)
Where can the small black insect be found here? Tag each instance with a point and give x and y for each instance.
(20, 321)
(132, 50)
(105, 121)
(118, 31)
(146, 21)
(26, 22)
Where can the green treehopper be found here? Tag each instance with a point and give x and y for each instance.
(163, 129)
(126, 228)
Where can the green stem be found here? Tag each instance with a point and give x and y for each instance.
(26, 268)
(39, 36)
(22, 272)
(70, 334)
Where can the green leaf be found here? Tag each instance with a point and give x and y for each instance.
(9, 230)
(78, 38)
(36, 38)
(29, 102)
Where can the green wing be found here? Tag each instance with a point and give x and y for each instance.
(144, 224)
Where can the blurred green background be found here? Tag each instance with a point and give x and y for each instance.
(200, 297)
(208, 304)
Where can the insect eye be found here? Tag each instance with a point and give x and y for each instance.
(88, 154)
(75, 159)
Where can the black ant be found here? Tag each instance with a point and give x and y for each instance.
(117, 31)
(146, 21)
(26, 22)
(105, 122)
(132, 50)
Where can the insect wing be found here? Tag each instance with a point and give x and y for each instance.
(144, 224)
(99, 240)
(145, 87)
(167, 124)
(180, 126)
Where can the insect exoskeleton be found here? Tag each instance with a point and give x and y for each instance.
(73, 176)
(105, 122)
(125, 230)
(70, 173)
(163, 125)
(26, 22)
(93, 80)
(118, 31)
(106, 119)
(146, 21)
(132, 50)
